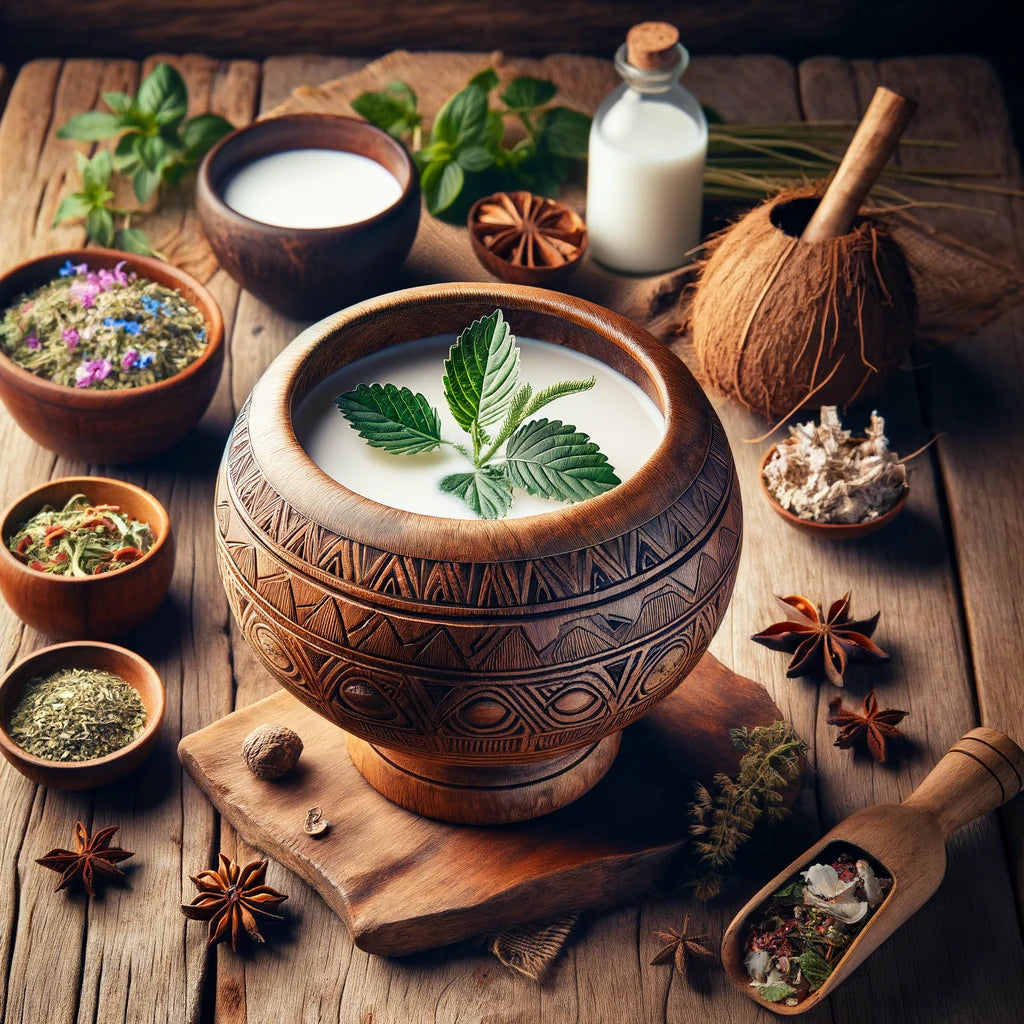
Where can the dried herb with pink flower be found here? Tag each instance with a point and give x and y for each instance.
(102, 329)
(803, 930)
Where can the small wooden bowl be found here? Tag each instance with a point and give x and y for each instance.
(493, 232)
(99, 771)
(92, 607)
(828, 531)
(128, 424)
(308, 272)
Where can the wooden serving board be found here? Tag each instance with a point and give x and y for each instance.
(404, 883)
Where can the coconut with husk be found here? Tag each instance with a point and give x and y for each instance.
(805, 302)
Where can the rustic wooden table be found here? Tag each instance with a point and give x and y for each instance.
(946, 576)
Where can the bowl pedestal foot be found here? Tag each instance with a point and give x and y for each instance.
(483, 795)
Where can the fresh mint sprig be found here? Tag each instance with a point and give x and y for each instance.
(156, 147)
(466, 157)
(482, 388)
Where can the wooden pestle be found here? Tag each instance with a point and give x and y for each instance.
(873, 143)
(981, 772)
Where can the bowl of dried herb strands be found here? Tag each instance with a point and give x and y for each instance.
(79, 715)
(85, 557)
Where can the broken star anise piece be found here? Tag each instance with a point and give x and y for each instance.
(680, 945)
(821, 644)
(231, 899)
(871, 726)
(525, 238)
(92, 860)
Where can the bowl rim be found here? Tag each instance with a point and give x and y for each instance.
(43, 268)
(154, 715)
(208, 194)
(866, 525)
(291, 472)
(161, 529)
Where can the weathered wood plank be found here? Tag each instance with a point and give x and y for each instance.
(125, 954)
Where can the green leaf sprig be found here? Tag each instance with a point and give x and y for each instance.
(466, 156)
(156, 147)
(488, 400)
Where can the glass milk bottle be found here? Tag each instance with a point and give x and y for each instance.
(646, 162)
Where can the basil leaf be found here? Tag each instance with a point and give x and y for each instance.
(76, 205)
(127, 158)
(528, 93)
(395, 419)
(474, 158)
(486, 79)
(91, 126)
(145, 182)
(481, 372)
(461, 120)
(485, 491)
(554, 460)
(134, 240)
(815, 968)
(442, 182)
(201, 133)
(163, 94)
(119, 102)
(565, 132)
(99, 226)
(95, 172)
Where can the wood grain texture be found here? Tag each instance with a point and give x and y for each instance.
(404, 883)
(128, 957)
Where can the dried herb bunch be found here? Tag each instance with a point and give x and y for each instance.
(725, 815)
(102, 329)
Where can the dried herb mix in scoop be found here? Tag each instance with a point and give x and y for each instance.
(80, 539)
(102, 329)
(76, 714)
(804, 929)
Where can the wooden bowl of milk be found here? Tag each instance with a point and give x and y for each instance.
(309, 212)
(481, 669)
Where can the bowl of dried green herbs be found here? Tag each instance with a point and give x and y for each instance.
(80, 715)
(107, 356)
(85, 557)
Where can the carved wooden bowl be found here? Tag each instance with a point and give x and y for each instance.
(481, 669)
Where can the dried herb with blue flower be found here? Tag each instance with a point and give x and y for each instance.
(102, 329)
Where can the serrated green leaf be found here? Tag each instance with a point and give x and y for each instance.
(163, 95)
(815, 968)
(134, 240)
(395, 419)
(442, 182)
(90, 126)
(554, 460)
(481, 372)
(72, 207)
(775, 993)
(462, 119)
(99, 226)
(486, 79)
(565, 132)
(485, 491)
(528, 93)
(474, 158)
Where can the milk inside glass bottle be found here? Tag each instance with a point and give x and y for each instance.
(648, 141)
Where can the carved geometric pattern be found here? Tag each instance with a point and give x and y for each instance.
(566, 649)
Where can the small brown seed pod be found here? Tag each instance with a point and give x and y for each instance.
(271, 751)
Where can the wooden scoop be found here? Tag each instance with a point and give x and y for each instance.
(908, 840)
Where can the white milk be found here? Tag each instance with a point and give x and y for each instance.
(311, 188)
(617, 415)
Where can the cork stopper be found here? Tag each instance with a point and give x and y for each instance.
(651, 46)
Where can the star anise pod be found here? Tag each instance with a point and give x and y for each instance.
(231, 899)
(871, 726)
(679, 945)
(92, 859)
(821, 644)
(527, 230)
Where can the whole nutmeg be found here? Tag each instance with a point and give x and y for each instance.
(271, 751)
